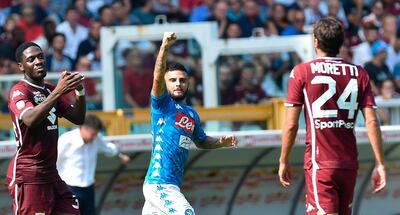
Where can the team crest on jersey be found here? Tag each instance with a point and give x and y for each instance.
(184, 122)
(39, 97)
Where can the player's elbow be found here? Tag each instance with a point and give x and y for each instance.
(372, 123)
(291, 127)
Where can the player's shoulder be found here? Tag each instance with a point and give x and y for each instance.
(18, 88)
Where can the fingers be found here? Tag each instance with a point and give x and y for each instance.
(231, 140)
(378, 180)
(285, 178)
(169, 38)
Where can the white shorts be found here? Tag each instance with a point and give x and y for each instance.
(163, 199)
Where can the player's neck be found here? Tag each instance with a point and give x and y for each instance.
(35, 82)
(323, 54)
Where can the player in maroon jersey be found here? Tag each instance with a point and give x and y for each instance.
(332, 91)
(34, 183)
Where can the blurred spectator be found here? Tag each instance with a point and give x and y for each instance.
(121, 9)
(250, 18)
(84, 15)
(201, 12)
(6, 30)
(188, 5)
(90, 43)
(95, 58)
(93, 97)
(277, 21)
(56, 60)
(144, 13)
(39, 13)
(389, 27)
(233, 30)
(170, 9)
(387, 92)
(392, 7)
(313, 12)
(219, 14)
(298, 24)
(225, 85)
(7, 50)
(73, 31)
(33, 31)
(235, 10)
(362, 53)
(107, 17)
(396, 76)
(49, 28)
(394, 52)
(376, 15)
(247, 92)
(377, 69)
(58, 7)
(137, 80)
(334, 9)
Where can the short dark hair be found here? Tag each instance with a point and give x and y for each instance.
(21, 48)
(56, 35)
(330, 35)
(93, 121)
(176, 66)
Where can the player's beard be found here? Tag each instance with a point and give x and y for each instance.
(178, 98)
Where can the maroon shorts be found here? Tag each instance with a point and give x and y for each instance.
(330, 190)
(43, 199)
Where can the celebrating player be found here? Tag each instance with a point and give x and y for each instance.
(175, 126)
(32, 177)
(332, 91)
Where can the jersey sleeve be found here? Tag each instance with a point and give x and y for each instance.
(19, 101)
(160, 104)
(199, 135)
(295, 88)
(367, 98)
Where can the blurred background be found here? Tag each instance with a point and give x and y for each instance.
(239, 54)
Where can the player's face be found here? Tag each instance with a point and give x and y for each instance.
(88, 134)
(177, 83)
(33, 64)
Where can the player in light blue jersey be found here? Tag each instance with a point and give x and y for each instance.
(175, 127)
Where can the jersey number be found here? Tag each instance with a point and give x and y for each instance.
(351, 91)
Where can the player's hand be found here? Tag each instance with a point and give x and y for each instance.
(68, 82)
(168, 39)
(125, 159)
(378, 178)
(285, 174)
(228, 141)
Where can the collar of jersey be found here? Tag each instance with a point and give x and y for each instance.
(33, 85)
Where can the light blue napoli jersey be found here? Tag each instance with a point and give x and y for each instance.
(175, 127)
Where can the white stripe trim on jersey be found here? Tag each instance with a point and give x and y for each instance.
(19, 132)
(33, 85)
(330, 58)
(313, 151)
(14, 171)
(23, 112)
(16, 199)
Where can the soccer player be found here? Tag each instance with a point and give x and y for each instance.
(175, 126)
(332, 90)
(32, 177)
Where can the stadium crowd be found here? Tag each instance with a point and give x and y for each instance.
(69, 32)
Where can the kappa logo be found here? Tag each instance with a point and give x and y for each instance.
(184, 122)
(16, 93)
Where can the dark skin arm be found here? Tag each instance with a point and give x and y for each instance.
(67, 83)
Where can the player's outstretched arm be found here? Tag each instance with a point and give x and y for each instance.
(161, 64)
(36, 115)
(214, 143)
(289, 132)
(378, 178)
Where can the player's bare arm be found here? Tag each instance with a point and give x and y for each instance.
(378, 177)
(36, 115)
(289, 132)
(77, 113)
(161, 64)
(214, 143)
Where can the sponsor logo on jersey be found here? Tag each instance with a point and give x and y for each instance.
(16, 93)
(333, 124)
(184, 122)
(185, 142)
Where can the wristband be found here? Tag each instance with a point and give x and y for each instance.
(80, 92)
